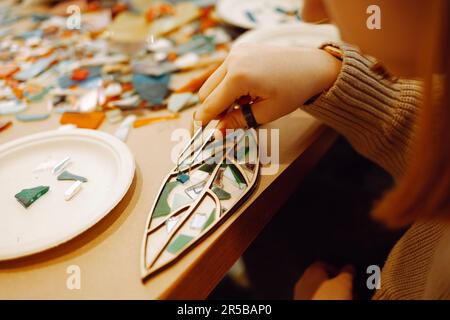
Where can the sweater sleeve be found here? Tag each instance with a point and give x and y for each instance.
(376, 114)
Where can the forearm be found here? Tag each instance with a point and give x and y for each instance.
(375, 114)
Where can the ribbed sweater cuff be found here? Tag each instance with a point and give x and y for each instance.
(376, 114)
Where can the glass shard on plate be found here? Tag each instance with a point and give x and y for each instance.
(28, 196)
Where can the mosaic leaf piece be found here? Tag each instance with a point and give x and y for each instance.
(198, 204)
(210, 220)
(182, 177)
(162, 208)
(221, 194)
(179, 243)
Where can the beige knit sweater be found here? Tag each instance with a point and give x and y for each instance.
(378, 115)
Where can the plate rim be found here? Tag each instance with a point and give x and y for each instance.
(128, 166)
(234, 22)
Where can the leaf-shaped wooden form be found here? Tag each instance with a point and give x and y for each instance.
(197, 195)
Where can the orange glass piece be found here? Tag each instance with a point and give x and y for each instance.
(5, 125)
(118, 8)
(7, 70)
(80, 74)
(172, 56)
(88, 120)
(146, 121)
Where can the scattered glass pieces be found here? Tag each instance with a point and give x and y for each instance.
(146, 121)
(66, 175)
(61, 165)
(46, 165)
(114, 116)
(126, 103)
(113, 89)
(190, 81)
(36, 68)
(28, 196)
(178, 101)
(32, 117)
(151, 89)
(11, 107)
(80, 74)
(90, 120)
(5, 125)
(88, 101)
(73, 190)
(125, 127)
(8, 70)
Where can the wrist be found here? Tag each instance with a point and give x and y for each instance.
(327, 68)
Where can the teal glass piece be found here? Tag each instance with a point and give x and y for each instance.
(32, 117)
(28, 196)
(179, 243)
(182, 177)
(162, 207)
(36, 68)
(66, 175)
(38, 96)
(221, 194)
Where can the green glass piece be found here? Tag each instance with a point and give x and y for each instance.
(221, 194)
(162, 207)
(180, 200)
(236, 174)
(207, 167)
(242, 153)
(178, 244)
(210, 220)
(66, 175)
(27, 196)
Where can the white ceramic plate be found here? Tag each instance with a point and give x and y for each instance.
(298, 34)
(264, 12)
(103, 159)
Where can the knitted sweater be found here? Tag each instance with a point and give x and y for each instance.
(378, 115)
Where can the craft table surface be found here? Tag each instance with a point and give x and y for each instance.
(109, 253)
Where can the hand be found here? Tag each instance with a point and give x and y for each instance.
(282, 78)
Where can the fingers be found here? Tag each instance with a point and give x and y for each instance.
(220, 99)
(213, 81)
(235, 119)
(337, 288)
(310, 281)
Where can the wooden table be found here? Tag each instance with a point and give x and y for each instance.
(109, 253)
